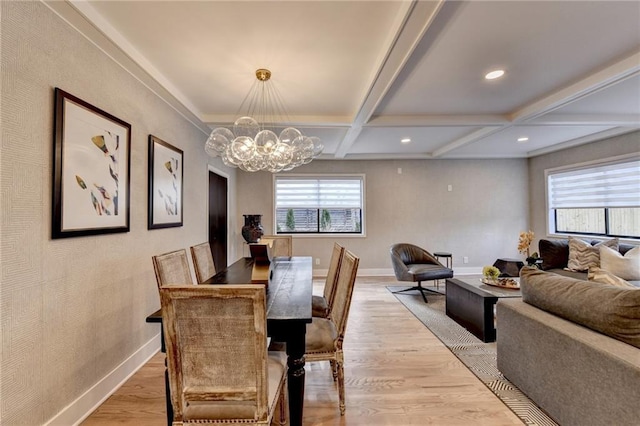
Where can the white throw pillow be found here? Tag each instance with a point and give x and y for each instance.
(626, 267)
(599, 275)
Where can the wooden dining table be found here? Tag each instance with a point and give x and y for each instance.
(289, 294)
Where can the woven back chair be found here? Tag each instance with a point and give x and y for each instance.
(321, 305)
(219, 369)
(203, 262)
(325, 335)
(281, 245)
(172, 268)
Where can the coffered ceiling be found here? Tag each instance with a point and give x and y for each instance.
(363, 75)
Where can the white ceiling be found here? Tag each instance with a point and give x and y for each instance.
(364, 74)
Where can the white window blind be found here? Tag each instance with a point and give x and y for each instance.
(609, 185)
(318, 193)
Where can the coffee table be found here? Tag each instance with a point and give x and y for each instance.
(471, 304)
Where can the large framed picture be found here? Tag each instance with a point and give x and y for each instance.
(91, 169)
(165, 184)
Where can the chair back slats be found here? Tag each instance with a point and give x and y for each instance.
(344, 291)
(172, 268)
(332, 274)
(203, 262)
(281, 245)
(216, 343)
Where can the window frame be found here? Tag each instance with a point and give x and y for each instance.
(313, 176)
(551, 213)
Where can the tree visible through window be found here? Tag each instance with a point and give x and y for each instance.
(319, 205)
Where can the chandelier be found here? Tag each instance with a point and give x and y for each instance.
(259, 142)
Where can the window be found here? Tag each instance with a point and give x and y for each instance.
(602, 199)
(319, 204)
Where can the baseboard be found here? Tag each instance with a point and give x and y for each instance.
(375, 272)
(81, 408)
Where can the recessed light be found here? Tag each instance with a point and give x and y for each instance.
(523, 139)
(494, 74)
(405, 140)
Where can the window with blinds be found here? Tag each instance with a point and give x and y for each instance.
(601, 199)
(319, 204)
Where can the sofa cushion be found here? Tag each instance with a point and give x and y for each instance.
(626, 267)
(613, 311)
(554, 253)
(599, 275)
(582, 254)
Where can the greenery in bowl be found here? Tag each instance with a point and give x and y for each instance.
(490, 272)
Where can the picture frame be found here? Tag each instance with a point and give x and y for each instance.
(166, 173)
(91, 169)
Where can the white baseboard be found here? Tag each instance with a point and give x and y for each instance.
(374, 272)
(81, 408)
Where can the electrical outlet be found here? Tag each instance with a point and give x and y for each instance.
(317, 260)
(449, 188)
(465, 259)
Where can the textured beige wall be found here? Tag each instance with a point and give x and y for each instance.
(73, 309)
(481, 218)
(619, 145)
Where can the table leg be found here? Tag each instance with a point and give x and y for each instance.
(295, 377)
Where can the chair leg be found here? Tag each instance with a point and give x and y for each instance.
(282, 404)
(421, 290)
(340, 368)
(334, 369)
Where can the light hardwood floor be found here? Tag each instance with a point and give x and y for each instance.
(396, 372)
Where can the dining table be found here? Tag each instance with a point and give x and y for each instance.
(289, 292)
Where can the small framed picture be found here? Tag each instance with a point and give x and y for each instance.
(165, 184)
(91, 169)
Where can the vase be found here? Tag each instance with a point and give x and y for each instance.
(252, 229)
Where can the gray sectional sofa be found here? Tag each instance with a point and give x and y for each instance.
(573, 347)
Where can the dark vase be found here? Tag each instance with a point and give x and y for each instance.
(252, 229)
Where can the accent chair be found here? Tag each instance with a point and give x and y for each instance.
(415, 264)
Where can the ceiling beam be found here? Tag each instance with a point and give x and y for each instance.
(613, 74)
(437, 120)
(413, 24)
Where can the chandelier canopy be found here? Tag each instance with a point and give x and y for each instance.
(259, 140)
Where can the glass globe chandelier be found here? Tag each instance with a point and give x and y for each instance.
(256, 141)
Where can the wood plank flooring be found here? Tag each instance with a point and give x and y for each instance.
(397, 373)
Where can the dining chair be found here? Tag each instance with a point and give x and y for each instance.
(172, 268)
(321, 305)
(281, 245)
(325, 335)
(203, 262)
(220, 371)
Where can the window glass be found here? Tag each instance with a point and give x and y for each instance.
(599, 199)
(319, 204)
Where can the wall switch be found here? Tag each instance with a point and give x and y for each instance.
(449, 188)
(465, 259)
(317, 260)
(399, 170)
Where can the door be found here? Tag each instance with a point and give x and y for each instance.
(218, 219)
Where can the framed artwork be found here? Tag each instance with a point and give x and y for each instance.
(165, 184)
(92, 159)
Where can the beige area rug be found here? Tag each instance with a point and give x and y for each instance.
(477, 356)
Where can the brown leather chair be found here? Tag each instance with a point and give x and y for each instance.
(415, 264)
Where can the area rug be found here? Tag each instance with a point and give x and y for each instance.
(477, 356)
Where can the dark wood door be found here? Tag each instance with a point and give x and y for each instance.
(218, 219)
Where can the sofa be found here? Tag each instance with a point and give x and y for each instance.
(555, 255)
(573, 347)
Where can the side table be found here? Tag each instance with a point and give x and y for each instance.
(509, 267)
(448, 259)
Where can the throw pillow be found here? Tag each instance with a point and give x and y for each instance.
(626, 267)
(600, 275)
(582, 255)
(614, 311)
